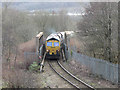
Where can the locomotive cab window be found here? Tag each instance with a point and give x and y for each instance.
(49, 43)
(56, 44)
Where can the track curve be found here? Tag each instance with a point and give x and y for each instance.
(57, 67)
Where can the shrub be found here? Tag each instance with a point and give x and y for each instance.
(18, 78)
(34, 67)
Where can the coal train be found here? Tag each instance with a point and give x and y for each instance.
(54, 44)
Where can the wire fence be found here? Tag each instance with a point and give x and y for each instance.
(98, 67)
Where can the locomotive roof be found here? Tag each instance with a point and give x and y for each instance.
(55, 36)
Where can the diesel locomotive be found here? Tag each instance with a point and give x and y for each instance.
(54, 44)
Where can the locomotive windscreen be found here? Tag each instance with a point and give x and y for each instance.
(49, 43)
(56, 43)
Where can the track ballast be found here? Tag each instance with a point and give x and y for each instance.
(67, 76)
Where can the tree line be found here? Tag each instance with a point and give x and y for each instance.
(21, 26)
(99, 26)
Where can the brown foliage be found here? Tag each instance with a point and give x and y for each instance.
(15, 72)
(27, 46)
(18, 78)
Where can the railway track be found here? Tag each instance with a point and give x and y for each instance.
(67, 76)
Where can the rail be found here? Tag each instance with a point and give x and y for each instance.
(74, 76)
(71, 75)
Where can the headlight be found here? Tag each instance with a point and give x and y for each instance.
(47, 50)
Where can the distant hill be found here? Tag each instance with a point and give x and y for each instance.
(70, 6)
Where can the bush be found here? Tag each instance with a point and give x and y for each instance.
(18, 78)
(34, 67)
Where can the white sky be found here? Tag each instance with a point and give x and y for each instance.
(59, 0)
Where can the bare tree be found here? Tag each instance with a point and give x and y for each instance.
(119, 44)
(99, 24)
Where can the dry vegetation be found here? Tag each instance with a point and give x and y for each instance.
(27, 46)
(16, 73)
(18, 36)
(99, 31)
(18, 78)
(98, 37)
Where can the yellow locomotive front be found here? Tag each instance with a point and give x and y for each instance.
(52, 47)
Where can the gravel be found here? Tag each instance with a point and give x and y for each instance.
(84, 74)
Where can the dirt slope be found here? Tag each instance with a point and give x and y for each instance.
(28, 46)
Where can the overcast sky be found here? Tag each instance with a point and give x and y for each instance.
(50, 6)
